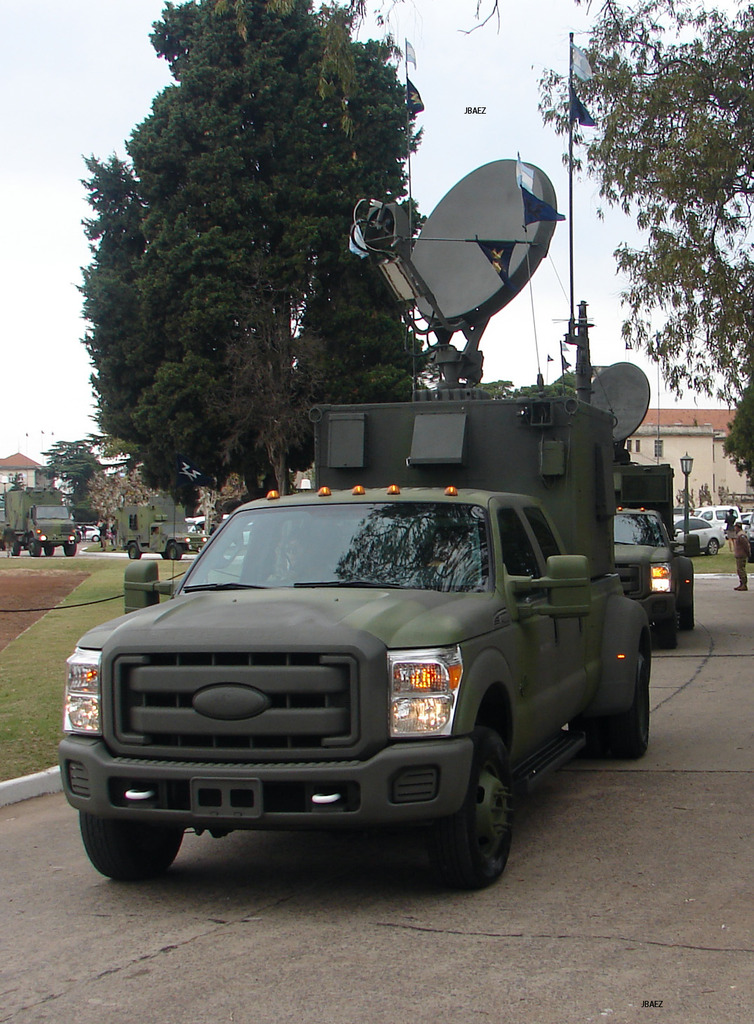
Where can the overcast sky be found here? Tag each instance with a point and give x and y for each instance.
(78, 76)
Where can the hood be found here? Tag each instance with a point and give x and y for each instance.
(630, 553)
(295, 619)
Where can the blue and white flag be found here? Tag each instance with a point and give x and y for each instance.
(580, 64)
(410, 54)
(524, 175)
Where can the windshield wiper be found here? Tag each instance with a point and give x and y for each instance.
(222, 586)
(351, 583)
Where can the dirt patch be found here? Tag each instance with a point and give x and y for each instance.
(27, 596)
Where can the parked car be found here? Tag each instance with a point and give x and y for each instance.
(717, 513)
(711, 533)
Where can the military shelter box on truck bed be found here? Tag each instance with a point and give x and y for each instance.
(558, 450)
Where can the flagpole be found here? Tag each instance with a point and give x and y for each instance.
(571, 320)
(408, 148)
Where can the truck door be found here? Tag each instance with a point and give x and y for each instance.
(548, 653)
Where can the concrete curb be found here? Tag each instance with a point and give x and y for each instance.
(39, 784)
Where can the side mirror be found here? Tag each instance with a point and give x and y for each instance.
(566, 584)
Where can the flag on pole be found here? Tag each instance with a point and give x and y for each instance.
(578, 111)
(537, 209)
(580, 64)
(499, 254)
(189, 475)
(410, 54)
(413, 99)
(524, 175)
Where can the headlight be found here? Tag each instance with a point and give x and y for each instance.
(660, 577)
(81, 711)
(423, 689)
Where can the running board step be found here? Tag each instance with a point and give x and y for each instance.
(553, 755)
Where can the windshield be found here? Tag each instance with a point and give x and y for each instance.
(638, 529)
(52, 512)
(425, 546)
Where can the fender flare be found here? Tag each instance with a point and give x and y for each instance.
(625, 633)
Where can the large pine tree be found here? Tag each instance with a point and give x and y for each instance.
(220, 251)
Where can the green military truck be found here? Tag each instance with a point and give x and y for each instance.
(654, 569)
(417, 641)
(38, 520)
(160, 528)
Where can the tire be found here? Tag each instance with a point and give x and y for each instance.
(69, 549)
(686, 618)
(470, 848)
(129, 851)
(49, 550)
(173, 551)
(35, 548)
(629, 732)
(134, 551)
(15, 549)
(667, 634)
(713, 546)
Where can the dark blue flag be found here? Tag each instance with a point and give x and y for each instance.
(499, 254)
(579, 112)
(537, 209)
(189, 475)
(413, 99)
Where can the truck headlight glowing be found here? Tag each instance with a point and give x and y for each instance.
(660, 577)
(423, 688)
(81, 711)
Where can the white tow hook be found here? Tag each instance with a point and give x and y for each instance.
(139, 794)
(325, 798)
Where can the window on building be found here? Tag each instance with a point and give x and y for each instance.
(628, 445)
(638, 446)
(659, 449)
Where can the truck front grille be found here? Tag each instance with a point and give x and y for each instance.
(630, 578)
(306, 702)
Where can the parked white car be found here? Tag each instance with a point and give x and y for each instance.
(717, 513)
(711, 533)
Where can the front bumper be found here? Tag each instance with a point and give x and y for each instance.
(659, 607)
(403, 783)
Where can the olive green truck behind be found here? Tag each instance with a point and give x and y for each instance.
(417, 641)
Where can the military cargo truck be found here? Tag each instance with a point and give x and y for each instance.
(159, 527)
(39, 521)
(654, 568)
(414, 642)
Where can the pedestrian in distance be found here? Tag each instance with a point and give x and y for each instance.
(730, 522)
(741, 550)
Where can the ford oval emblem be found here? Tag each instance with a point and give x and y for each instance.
(230, 702)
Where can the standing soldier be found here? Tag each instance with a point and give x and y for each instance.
(741, 550)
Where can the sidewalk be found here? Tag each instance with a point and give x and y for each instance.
(40, 784)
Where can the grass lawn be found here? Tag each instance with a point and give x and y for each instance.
(32, 666)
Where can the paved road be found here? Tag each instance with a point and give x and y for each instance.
(629, 896)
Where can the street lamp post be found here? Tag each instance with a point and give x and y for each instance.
(687, 464)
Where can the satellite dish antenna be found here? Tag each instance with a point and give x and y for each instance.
(622, 390)
(474, 254)
(485, 207)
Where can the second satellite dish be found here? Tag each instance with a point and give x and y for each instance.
(622, 390)
(474, 252)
